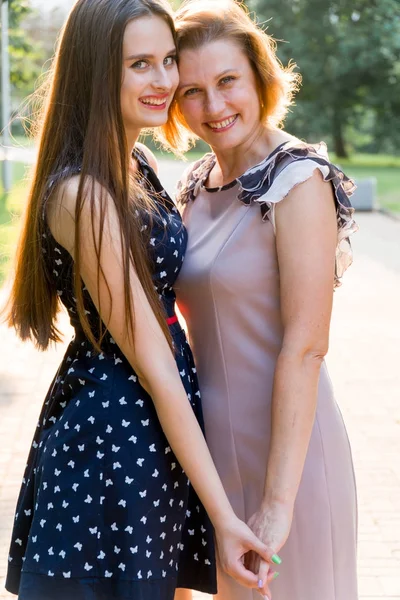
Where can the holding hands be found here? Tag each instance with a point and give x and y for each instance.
(271, 524)
(246, 552)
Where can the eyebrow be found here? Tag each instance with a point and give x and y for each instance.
(147, 56)
(185, 85)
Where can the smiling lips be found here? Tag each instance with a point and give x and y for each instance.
(155, 102)
(223, 124)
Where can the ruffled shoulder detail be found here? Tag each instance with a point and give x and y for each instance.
(194, 178)
(294, 165)
(270, 181)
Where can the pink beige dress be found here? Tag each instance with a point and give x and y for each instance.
(228, 292)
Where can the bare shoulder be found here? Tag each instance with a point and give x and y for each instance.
(61, 208)
(149, 155)
(60, 211)
(311, 196)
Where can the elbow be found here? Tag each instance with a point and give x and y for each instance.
(316, 355)
(306, 352)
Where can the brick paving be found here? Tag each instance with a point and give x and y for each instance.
(364, 362)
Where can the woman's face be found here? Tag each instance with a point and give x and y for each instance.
(149, 74)
(218, 94)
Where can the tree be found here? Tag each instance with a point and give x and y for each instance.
(26, 58)
(348, 52)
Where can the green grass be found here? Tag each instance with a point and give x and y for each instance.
(386, 170)
(11, 206)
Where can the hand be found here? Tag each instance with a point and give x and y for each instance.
(271, 524)
(234, 540)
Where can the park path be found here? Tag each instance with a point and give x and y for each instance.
(364, 362)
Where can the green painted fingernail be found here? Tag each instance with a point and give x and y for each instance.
(276, 574)
(276, 559)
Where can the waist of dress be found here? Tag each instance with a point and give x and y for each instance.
(174, 325)
(81, 338)
(172, 320)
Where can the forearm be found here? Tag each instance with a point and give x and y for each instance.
(293, 409)
(188, 444)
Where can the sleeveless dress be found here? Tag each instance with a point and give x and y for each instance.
(105, 510)
(228, 292)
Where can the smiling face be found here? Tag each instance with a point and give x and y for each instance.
(218, 94)
(149, 73)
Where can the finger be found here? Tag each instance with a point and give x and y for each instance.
(256, 566)
(265, 591)
(253, 543)
(263, 572)
(243, 576)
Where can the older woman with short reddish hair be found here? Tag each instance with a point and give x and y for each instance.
(269, 220)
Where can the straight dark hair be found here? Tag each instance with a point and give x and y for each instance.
(81, 123)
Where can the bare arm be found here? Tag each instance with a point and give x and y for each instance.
(153, 361)
(306, 237)
(306, 240)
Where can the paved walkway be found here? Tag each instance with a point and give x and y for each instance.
(364, 362)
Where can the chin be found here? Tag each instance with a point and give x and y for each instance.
(224, 141)
(156, 121)
(224, 144)
(148, 117)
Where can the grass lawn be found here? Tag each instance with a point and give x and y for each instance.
(11, 206)
(386, 170)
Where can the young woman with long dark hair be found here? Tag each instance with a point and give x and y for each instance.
(106, 509)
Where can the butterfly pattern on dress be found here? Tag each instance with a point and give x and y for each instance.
(104, 498)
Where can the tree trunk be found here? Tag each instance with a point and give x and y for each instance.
(338, 137)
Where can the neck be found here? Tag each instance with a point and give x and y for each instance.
(233, 162)
(132, 136)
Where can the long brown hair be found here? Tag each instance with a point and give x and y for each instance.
(81, 124)
(199, 22)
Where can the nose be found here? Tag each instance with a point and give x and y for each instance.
(162, 80)
(214, 103)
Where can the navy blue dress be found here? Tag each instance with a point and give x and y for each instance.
(105, 510)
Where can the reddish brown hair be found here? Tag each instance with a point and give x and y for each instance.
(81, 124)
(200, 22)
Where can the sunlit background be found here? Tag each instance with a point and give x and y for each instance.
(348, 52)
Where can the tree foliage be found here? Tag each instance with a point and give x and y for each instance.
(348, 52)
(26, 57)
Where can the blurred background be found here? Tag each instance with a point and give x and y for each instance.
(348, 52)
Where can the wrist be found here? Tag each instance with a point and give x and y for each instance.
(272, 499)
(222, 518)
